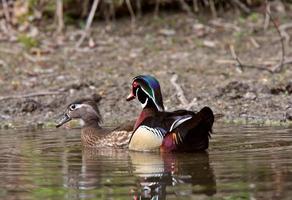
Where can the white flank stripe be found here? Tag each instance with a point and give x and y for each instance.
(178, 122)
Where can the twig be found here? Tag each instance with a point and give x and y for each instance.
(254, 42)
(225, 61)
(283, 29)
(240, 65)
(213, 8)
(88, 23)
(59, 15)
(219, 23)
(37, 94)
(193, 103)
(186, 7)
(241, 6)
(235, 57)
(133, 17)
(267, 15)
(6, 11)
(276, 68)
(156, 10)
(180, 94)
(84, 8)
(195, 6)
(139, 8)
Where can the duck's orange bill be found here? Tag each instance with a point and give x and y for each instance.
(131, 97)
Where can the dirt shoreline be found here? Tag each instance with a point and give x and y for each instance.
(197, 50)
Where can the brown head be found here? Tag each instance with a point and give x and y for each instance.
(85, 109)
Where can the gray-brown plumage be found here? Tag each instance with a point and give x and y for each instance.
(92, 134)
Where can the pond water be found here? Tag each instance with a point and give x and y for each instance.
(243, 162)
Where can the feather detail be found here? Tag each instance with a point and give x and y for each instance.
(146, 138)
(92, 137)
(179, 121)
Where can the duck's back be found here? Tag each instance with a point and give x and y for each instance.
(118, 137)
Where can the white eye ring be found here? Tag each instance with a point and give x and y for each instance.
(72, 107)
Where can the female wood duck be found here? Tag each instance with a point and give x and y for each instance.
(181, 130)
(92, 134)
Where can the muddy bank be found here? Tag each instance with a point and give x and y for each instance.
(196, 49)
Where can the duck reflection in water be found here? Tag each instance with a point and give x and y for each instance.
(167, 175)
(147, 175)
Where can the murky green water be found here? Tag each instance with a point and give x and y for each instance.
(242, 163)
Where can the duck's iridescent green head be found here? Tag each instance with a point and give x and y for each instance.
(144, 87)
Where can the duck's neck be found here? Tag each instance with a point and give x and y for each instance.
(89, 132)
(146, 112)
(92, 123)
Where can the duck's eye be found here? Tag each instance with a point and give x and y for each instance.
(72, 107)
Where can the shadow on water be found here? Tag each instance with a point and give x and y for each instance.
(242, 163)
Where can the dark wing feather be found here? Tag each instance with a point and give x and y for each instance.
(166, 119)
(194, 134)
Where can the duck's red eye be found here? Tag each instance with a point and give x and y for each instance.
(135, 84)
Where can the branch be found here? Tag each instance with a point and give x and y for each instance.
(277, 67)
(180, 94)
(37, 94)
(133, 17)
(156, 10)
(6, 10)
(195, 6)
(213, 9)
(235, 57)
(283, 29)
(186, 7)
(88, 23)
(192, 103)
(59, 15)
(267, 15)
(241, 6)
(254, 42)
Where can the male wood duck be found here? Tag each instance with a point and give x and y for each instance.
(155, 129)
(92, 134)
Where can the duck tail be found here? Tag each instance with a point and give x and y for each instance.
(194, 134)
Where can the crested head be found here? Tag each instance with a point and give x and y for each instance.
(150, 87)
(85, 109)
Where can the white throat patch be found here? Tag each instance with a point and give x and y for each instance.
(145, 103)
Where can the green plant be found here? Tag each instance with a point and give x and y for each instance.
(27, 41)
